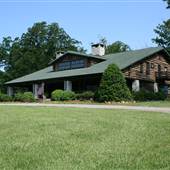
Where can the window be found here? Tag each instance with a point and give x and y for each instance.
(147, 68)
(64, 66)
(77, 64)
(141, 68)
(71, 65)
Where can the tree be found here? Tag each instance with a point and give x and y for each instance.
(35, 48)
(3, 79)
(103, 41)
(168, 2)
(163, 34)
(5, 48)
(117, 47)
(113, 86)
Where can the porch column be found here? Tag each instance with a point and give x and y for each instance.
(136, 85)
(35, 90)
(10, 91)
(68, 85)
(38, 89)
(42, 86)
(155, 87)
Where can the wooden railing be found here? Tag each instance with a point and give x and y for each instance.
(139, 75)
(163, 75)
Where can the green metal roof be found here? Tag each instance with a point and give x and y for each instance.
(122, 60)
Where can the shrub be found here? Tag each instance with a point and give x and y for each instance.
(5, 98)
(88, 95)
(60, 95)
(57, 95)
(25, 97)
(68, 95)
(148, 96)
(19, 97)
(28, 97)
(113, 86)
(161, 96)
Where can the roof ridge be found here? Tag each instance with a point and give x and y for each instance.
(136, 50)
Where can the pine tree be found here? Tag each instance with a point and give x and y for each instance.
(113, 86)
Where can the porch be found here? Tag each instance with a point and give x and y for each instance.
(43, 89)
(163, 75)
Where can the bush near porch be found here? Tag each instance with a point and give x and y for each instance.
(5, 98)
(60, 95)
(148, 96)
(87, 95)
(20, 97)
(24, 97)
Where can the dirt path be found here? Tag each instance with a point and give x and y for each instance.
(141, 108)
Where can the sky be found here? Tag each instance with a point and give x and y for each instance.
(130, 21)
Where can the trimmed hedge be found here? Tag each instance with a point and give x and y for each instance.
(87, 95)
(29, 97)
(60, 95)
(24, 97)
(18, 97)
(5, 98)
(113, 86)
(148, 96)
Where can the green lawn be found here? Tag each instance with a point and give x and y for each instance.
(154, 103)
(165, 103)
(68, 138)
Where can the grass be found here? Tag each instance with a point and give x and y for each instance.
(165, 103)
(68, 138)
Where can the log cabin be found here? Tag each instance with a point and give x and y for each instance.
(145, 69)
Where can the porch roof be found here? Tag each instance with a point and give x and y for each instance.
(122, 60)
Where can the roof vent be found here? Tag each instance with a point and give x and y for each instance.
(98, 49)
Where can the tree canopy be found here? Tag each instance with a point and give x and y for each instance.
(163, 34)
(168, 2)
(115, 47)
(34, 49)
